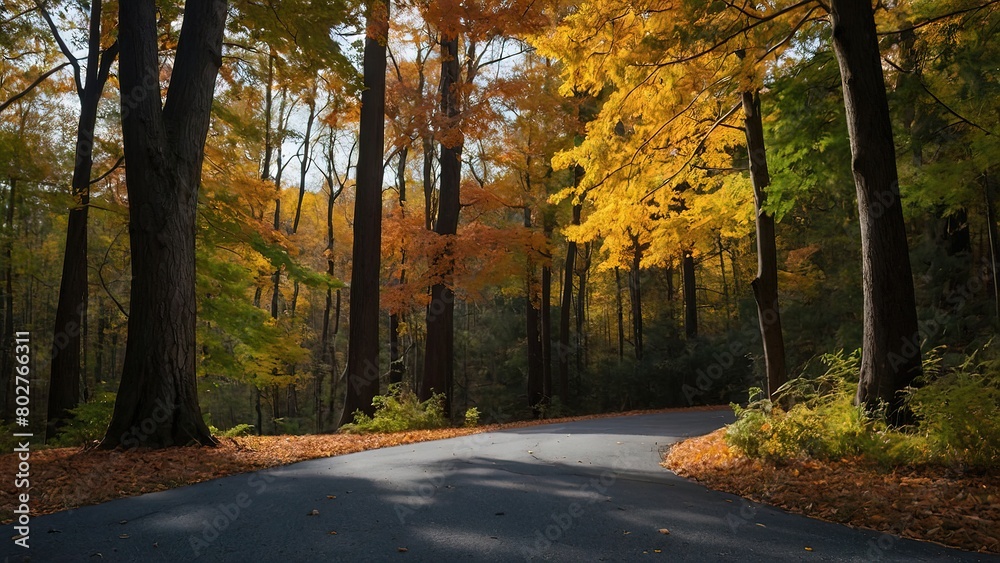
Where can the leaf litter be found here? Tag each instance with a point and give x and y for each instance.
(938, 504)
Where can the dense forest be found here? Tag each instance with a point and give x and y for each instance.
(264, 213)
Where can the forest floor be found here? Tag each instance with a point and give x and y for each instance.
(937, 504)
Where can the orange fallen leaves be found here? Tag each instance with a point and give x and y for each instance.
(929, 503)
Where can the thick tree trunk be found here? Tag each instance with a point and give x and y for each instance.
(690, 296)
(565, 305)
(157, 404)
(71, 309)
(439, 365)
(362, 369)
(765, 286)
(891, 348)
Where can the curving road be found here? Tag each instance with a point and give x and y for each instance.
(579, 491)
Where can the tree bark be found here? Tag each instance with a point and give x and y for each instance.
(397, 364)
(7, 338)
(891, 348)
(621, 314)
(565, 305)
(635, 297)
(690, 297)
(991, 229)
(581, 313)
(362, 369)
(545, 332)
(532, 316)
(157, 404)
(765, 285)
(439, 356)
(65, 370)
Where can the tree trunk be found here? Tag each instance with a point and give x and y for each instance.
(546, 331)
(157, 404)
(621, 314)
(439, 356)
(635, 297)
(71, 310)
(397, 364)
(991, 229)
(581, 313)
(565, 304)
(690, 297)
(306, 160)
(362, 369)
(536, 385)
(891, 348)
(7, 338)
(765, 285)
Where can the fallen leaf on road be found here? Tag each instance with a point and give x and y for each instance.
(402, 549)
(665, 531)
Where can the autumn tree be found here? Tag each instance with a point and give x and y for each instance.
(891, 350)
(65, 376)
(157, 403)
(362, 369)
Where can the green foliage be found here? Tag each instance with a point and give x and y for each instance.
(553, 408)
(89, 422)
(235, 431)
(400, 410)
(472, 417)
(956, 411)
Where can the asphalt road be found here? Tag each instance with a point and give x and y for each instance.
(579, 491)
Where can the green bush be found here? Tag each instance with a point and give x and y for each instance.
(959, 413)
(399, 410)
(235, 431)
(89, 422)
(956, 412)
(472, 417)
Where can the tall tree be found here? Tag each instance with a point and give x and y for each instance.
(157, 403)
(65, 375)
(765, 286)
(439, 365)
(890, 357)
(362, 369)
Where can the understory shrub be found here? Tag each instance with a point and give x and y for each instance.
(399, 410)
(89, 422)
(959, 413)
(234, 432)
(814, 416)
